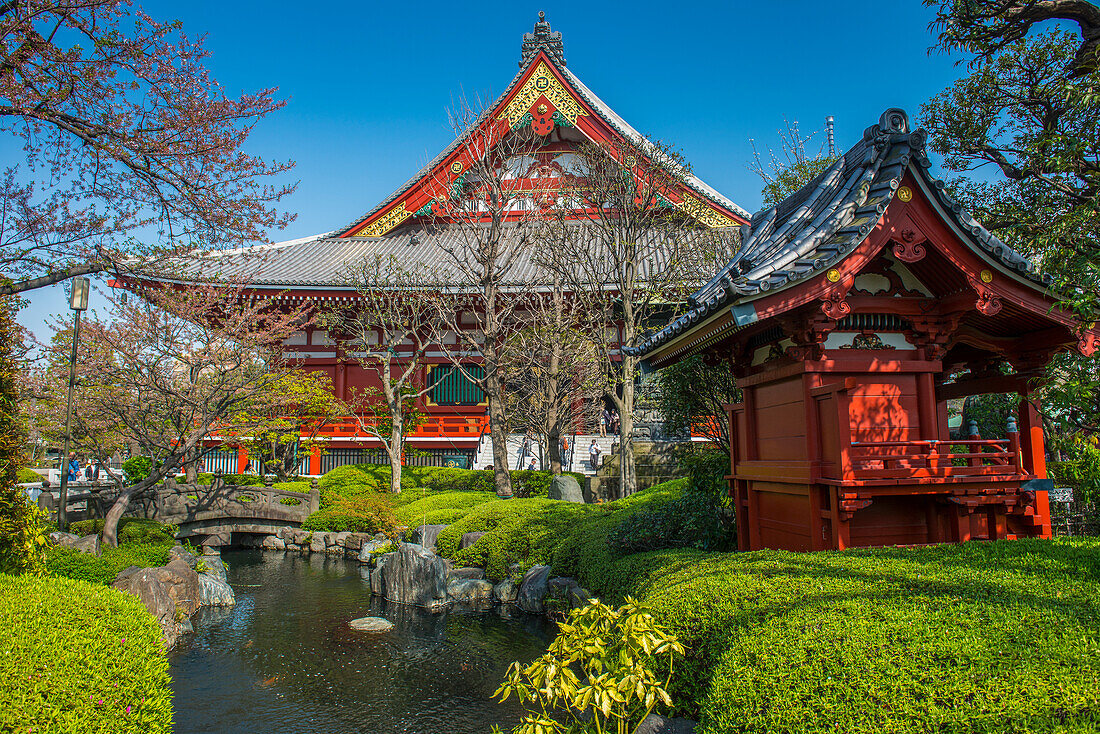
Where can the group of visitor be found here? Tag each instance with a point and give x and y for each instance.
(89, 471)
(609, 422)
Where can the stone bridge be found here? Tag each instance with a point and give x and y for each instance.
(210, 514)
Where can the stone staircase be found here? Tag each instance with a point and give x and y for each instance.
(655, 462)
(579, 451)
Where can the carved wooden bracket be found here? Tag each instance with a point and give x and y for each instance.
(988, 303)
(1088, 342)
(934, 335)
(909, 249)
(808, 333)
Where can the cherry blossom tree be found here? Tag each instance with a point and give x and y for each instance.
(132, 151)
(171, 367)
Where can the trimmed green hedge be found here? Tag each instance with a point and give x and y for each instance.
(365, 513)
(982, 637)
(28, 476)
(76, 658)
(103, 569)
(442, 508)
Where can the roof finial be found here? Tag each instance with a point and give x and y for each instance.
(545, 39)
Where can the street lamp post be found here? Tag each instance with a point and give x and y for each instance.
(78, 301)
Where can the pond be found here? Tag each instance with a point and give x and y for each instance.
(284, 660)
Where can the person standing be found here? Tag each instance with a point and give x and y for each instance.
(615, 423)
(594, 452)
(74, 467)
(605, 421)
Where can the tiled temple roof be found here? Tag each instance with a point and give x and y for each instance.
(818, 225)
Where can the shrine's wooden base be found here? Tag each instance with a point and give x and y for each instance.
(835, 516)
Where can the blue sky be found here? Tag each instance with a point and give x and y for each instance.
(369, 84)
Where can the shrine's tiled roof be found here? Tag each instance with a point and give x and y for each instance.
(818, 225)
(325, 262)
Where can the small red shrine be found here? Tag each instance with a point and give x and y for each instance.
(853, 312)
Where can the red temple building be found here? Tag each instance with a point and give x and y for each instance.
(853, 312)
(545, 100)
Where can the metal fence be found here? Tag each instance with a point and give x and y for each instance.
(220, 461)
(1074, 518)
(333, 458)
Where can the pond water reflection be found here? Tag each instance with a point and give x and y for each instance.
(284, 660)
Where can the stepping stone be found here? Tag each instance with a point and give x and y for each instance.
(371, 624)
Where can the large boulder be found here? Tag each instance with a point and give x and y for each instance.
(414, 575)
(533, 589)
(65, 540)
(318, 543)
(178, 551)
(354, 541)
(215, 592)
(469, 572)
(377, 577)
(565, 488)
(147, 587)
(273, 542)
(506, 592)
(426, 535)
(469, 539)
(367, 550)
(88, 544)
(182, 584)
(213, 566)
(474, 592)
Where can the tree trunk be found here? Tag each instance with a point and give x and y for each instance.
(191, 466)
(396, 434)
(497, 433)
(628, 471)
(109, 536)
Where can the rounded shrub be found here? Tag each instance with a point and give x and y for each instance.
(367, 513)
(131, 530)
(76, 657)
(26, 475)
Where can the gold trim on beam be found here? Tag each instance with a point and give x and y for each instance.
(705, 214)
(542, 81)
(386, 222)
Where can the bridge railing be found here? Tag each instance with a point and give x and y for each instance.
(174, 502)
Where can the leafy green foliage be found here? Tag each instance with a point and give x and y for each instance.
(1081, 469)
(22, 535)
(691, 395)
(605, 672)
(441, 508)
(26, 475)
(131, 530)
(80, 658)
(137, 468)
(103, 569)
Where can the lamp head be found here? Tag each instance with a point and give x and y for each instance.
(78, 294)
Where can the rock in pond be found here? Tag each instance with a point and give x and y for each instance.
(215, 592)
(371, 624)
(469, 572)
(214, 566)
(565, 488)
(182, 584)
(470, 591)
(415, 575)
(506, 592)
(533, 588)
(367, 550)
(178, 551)
(273, 542)
(469, 539)
(145, 585)
(426, 535)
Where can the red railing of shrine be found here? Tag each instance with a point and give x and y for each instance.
(917, 459)
(436, 426)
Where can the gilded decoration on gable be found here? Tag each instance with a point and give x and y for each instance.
(386, 222)
(905, 193)
(867, 341)
(541, 82)
(705, 214)
(456, 167)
